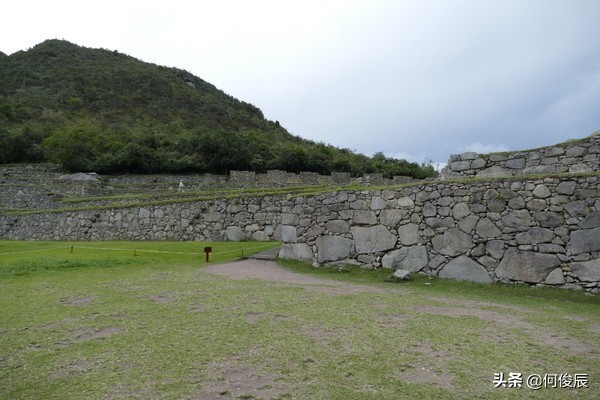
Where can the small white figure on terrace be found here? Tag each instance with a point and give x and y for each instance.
(180, 190)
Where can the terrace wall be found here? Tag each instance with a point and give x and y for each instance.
(538, 231)
(574, 157)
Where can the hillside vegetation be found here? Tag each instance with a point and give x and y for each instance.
(100, 110)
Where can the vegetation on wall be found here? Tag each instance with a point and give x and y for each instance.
(100, 110)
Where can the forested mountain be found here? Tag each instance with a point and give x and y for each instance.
(100, 110)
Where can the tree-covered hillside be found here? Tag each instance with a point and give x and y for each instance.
(99, 110)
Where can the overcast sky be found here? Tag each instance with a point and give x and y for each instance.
(415, 79)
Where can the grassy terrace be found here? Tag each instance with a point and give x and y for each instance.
(150, 198)
(108, 324)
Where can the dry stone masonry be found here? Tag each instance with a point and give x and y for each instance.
(544, 231)
(574, 157)
(516, 228)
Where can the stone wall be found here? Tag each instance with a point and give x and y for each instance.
(544, 231)
(574, 157)
(40, 186)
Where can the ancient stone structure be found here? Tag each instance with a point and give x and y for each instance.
(540, 231)
(519, 228)
(573, 156)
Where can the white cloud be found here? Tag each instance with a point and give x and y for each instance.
(486, 148)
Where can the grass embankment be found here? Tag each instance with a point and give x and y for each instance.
(104, 324)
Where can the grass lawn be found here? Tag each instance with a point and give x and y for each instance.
(125, 324)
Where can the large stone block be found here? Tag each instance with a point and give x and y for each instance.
(372, 239)
(392, 218)
(337, 226)
(332, 248)
(362, 217)
(296, 251)
(494, 172)
(591, 221)
(464, 269)
(235, 233)
(534, 236)
(452, 243)
(487, 229)
(289, 234)
(409, 258)
(409, 234)
(517, 219)
(588, 271)
(585, 240)
(526, 266)
(549, 219)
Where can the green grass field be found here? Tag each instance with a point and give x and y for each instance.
(125, 324)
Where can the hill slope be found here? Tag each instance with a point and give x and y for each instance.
(95, 109)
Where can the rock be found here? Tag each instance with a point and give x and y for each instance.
(289, 219)
(372, 239)
(588, 271)
(288, 234)
(555, 277)
(458, 166)
(542, 192)
(337, 226)
(495, 248)
(487, 229)
(468, 223)
(405, 202)
(296, 251)
(260, 236)
(391, 218)
(566, 187)
(377, 203)
(494, 172)
(460, 211)
(332, 248)
(401, 275)
(409, 258)
(464, 269)
(452, 243)
(429, 210)
(526, 266)
(576, 168)
(515, 163)
(144, 213)
(584, 241)
(409, 234)
(362, 217)
(591, 221)
(577, 208)
(517, 219)
(549, 219)
(469, 155)
(235, 234)
(534, 236)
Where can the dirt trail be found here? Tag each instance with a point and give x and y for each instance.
(272, 272)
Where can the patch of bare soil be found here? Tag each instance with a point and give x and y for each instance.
(543, 336)
(422, 374)
(392, 320)
(78, 366)
(254, 317)
(236, 379)
(321, 334)
(86, 333)
(271, 272)
(160, 298)
(79, 300)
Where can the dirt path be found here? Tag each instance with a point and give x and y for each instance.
(272, 272)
